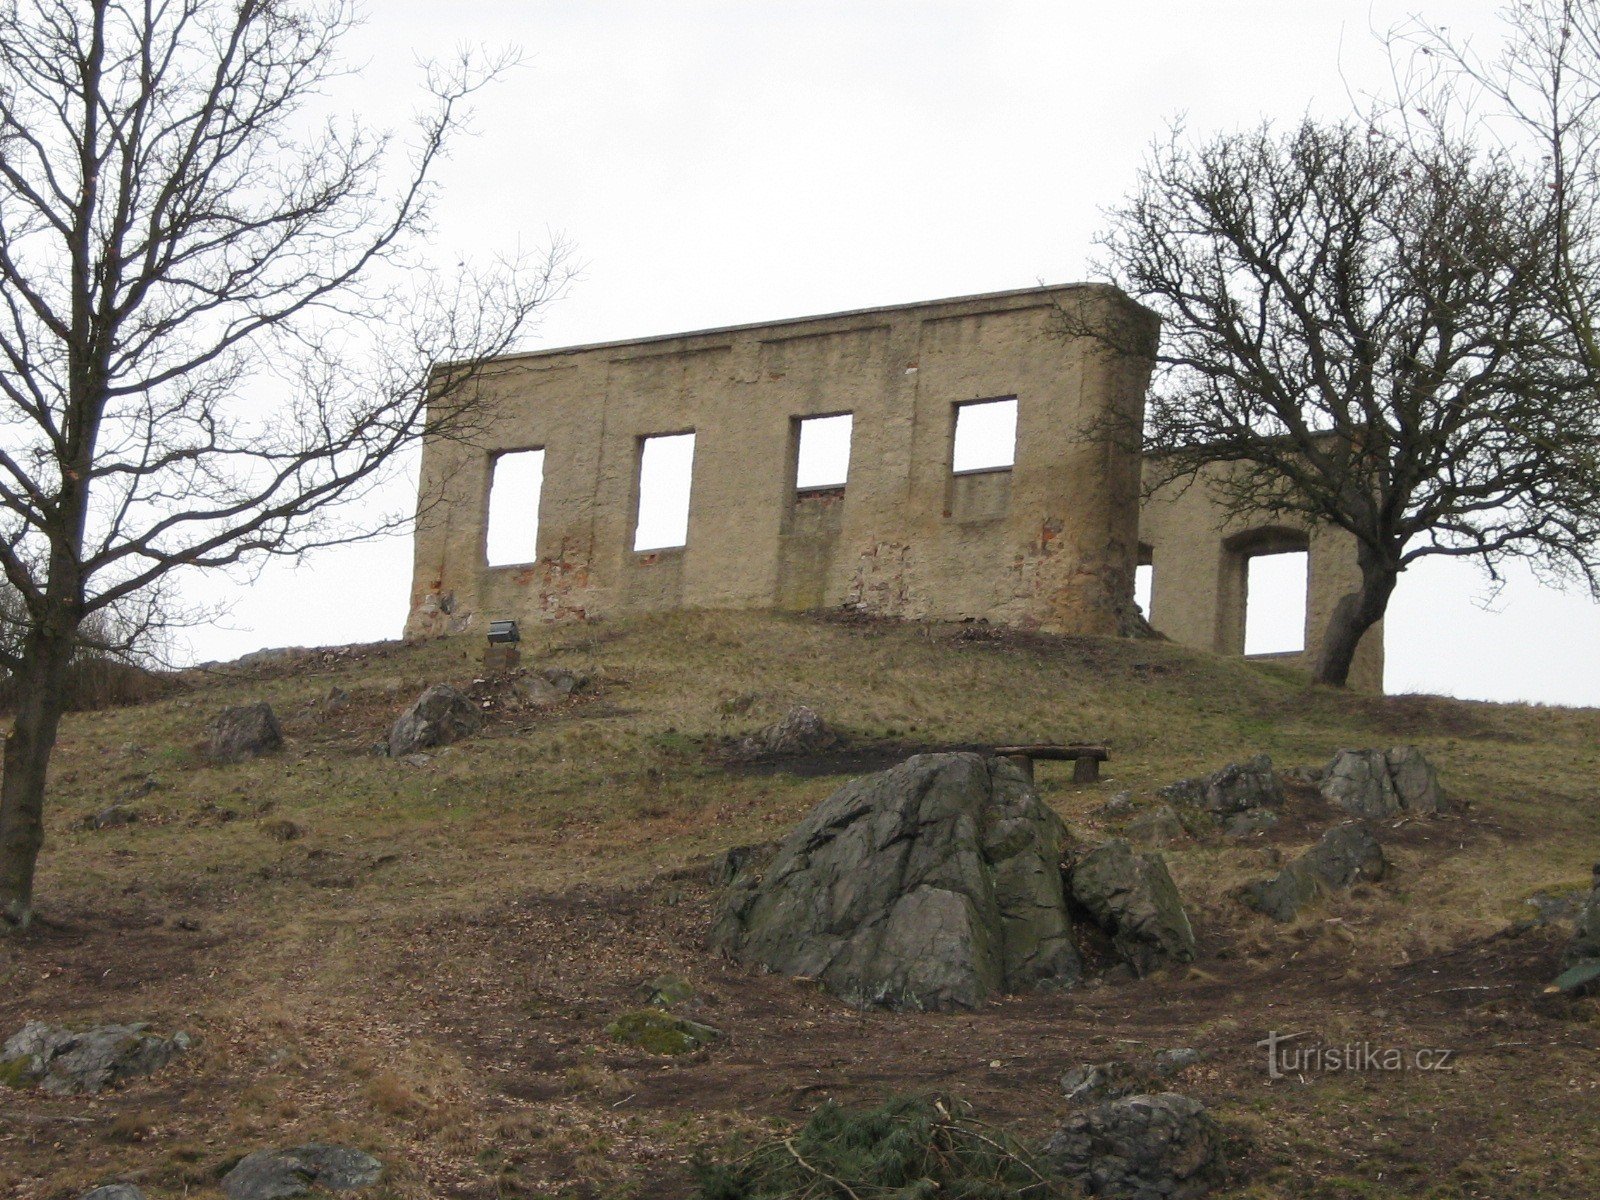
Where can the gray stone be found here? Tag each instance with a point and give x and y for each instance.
(1236, 787)
(114, 817)
(244, 731)
(1249, 822)
(1585, 944)
(439, 716)
(1120, 805)
(1156, 827)
(1345, 854)
(1147, 1147)
(1382, 783)
(550, 685)
(65, 1062)
(1095, 1083)
(114, 1191)
(800, 731)
(281, 1174)
(1180, 1058)
(1132, 898)
(933, 884)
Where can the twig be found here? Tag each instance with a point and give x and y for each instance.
(788, 1144)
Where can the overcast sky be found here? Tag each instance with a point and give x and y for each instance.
(722, 163)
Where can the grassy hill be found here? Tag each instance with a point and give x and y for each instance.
(419, 956)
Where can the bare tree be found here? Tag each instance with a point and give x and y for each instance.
(1540, 92)
(1360, 330)
(215, 329)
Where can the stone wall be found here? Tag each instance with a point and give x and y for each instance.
(1049, 543)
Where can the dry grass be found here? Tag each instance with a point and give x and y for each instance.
(424, 967)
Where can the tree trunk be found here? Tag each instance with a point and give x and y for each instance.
(1355, 613)
(41, 696)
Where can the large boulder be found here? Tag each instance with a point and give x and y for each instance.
(1149, 1147)
(1382, 783)
(282, 1174)
(69, 1062)
(244, 731)
(441, 715)
(1236, 787)
(1132, 897)
(934, 884)
(1345, 854)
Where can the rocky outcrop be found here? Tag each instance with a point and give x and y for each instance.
(1345, 854)
(441, 715)
(281, 1174)
(66, 1062)
(934, 884)
(1133, 899)
(1382, 783)
(114, 1191)
(244, 731)
(1238, 786)
(1156, 826)
(1150, 1147)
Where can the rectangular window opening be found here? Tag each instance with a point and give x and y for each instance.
(1144, 585)
(666, 472)
(985, 436)
(1275, 603)
(823, 457)
(515, 482)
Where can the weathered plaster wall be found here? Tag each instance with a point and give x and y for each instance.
(1050, 543)
(1199, 555)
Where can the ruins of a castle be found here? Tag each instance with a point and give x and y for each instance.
(1042, 528)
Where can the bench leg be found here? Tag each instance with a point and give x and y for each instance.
(1086, 770)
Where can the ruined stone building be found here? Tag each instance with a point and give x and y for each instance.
(975, 471)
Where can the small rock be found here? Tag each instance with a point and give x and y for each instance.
(661, 1033)
(664, 991)
(1551, 908)
(1236, 787)
(800, 731)
(337, 700)
(1345, 854)
(1585, 944)
(1156, 827)
(64, 1062)
(244, 731)
(281, 1174)
(114, 817)
(1132, 898)
(1310, 775)
(1249, 822)
(1120, 805)
(114, 1191)
(282, 830)
(1095, 1083)
(1148, 1147)
(1382, 783)
(1170, 1062)
(439, 716)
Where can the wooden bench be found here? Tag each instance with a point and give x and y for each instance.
(1085, 760)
